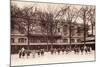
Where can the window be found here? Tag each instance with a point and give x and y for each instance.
(12, 40)
(80, 29)
(65, 40)
(38, 41)
(33, 40)
(78, 40)
(72, 40)
(65, 28)
(22, 40)
(72, 33)
(72, 27)
(58, 29)
(43, 40)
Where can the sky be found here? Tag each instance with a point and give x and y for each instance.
(44, 6)
(86, 2)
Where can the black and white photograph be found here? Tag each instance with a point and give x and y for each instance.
(51, 33)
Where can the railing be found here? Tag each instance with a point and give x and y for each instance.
(51, 43)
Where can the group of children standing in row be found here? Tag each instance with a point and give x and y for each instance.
(40, 52)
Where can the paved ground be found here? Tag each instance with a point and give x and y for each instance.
(48, 58)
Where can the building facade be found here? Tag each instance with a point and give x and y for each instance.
(63, 38)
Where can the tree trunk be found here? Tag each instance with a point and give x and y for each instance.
(84, 20)
(92, 29)
(70, 34)
(28, 37)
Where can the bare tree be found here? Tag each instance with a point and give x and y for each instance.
(91, 17)
(15, 12)
(23, 19)
(87, 13)
(69, 13)
(49, 25)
